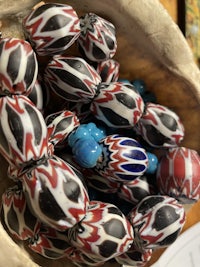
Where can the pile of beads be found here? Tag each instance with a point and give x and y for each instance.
(81, 180)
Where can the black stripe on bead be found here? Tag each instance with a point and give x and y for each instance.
(61, 42)
(16, 127)
(98, 53)
(71, 80)
(114, 118)
(3, 139)
(55, 23)
(14, 63)
(64, 94)
(107, 248)
(49, 205)
(30, 70)
(12, 219)
(149, 203)
(79, 66)
(72, 190)
(29, 219)
(126, 100)
(36, 123)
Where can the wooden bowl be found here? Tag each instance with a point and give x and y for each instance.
(150, 47)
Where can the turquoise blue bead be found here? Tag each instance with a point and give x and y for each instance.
(86, 131)
(86, 152)
(140, 86)
(152, 163)
(95, 132)
(80, 133)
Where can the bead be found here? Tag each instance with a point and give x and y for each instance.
(140, 86)
(51, 28)
(95, 204)
(97, 39)
(18, 218)
(157, 221)
(123, 158)
(108, 70)
(60, 125)
(100, 183)
(84, 143)
(118, 105)
(23, 132)
(135, 190)
(72, 78)
(104, 232)
(18, 67)
(81, 110)
(178, 174)
(96, 132)
(86, 152)
(50, 243)
(80, 133)
(152, 163)
(39, 96)
(135, 257)
(160, 126)
(56, 193)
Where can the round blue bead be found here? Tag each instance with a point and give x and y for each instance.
(140, 86)
(152, 163)
(86, 152)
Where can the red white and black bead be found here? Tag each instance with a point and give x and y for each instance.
(98, 38)
(135, 257)
(50, 243)
(72, 78)
(178, 174)
(104, 232)
(18, 67)
(23, 132)
(118, 105)
(160, 126)
(56, 193)
(108, 70)
(134, 191)
(60, 125)
(157, 221)
(17, 216)
(52, 28)
(100, 183)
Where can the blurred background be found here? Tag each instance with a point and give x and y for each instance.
(186, 13)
